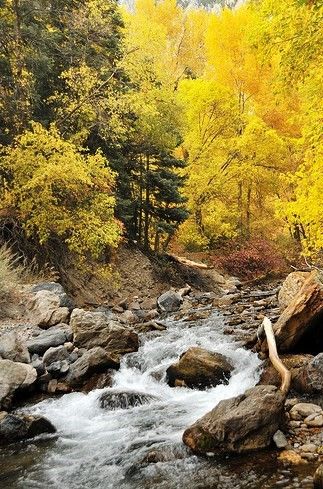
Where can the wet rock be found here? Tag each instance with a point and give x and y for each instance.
(55, 336)
(14, 377)
(18, 426)
(290, 288)
(12, 348)
(240, 424)
(98, 381)
(93, 329)
(170, 301)
(280, 439)
(199, 368)
(124, 400)
(299, 323)
(55, 354)
(318, 477)
(46, 310)
(92, 361)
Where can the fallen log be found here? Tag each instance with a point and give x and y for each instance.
(190, 263)
(273, 355)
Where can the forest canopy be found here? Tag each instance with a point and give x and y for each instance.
(161, 122)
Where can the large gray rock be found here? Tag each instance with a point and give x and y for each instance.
(92, 329)
(199, 368)
(12, 348)
(240, 424)
(290, 288)
(18, 426)
(92, 361)
(45, 309)
(55, 336)
(56, 289)
(14, 376)
(170, 301)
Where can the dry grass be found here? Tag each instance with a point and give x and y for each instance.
(11, 272)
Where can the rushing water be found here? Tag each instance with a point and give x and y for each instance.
(104, 449)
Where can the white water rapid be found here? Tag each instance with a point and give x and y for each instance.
(103, 449)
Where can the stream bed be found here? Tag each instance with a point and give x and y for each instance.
(140, 447)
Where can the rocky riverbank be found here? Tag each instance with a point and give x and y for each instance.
(55, 348)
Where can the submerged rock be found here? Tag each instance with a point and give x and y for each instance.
(124, 399)
(18, 426)
(93, 329)
(12, 348)
(240, 424)
(170, 301)
(199, 368)
(14, 376)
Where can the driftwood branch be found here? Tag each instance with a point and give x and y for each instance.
(190, 263)
(273, 355)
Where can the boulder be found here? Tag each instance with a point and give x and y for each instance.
(240, 424)
(309, 378)
(170, 301)
(45, 309)
(57, 289)
(318, 477)
(54, 354)
(124, 399)
(299, 327)
(14, 376)
(294, 363)
(199, 368)
(92, 361)
(12, 348)
(302, 410)
(290, 288)
(19, 426)
(93, 329)
(55, 336)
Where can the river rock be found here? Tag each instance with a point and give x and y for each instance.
(304, 409)
(14, 376)
(124, 399)
(55, 336)
(309, 379)
(93, 329)
(240, 424)
(54, 354)
(12, 348)
(290, 288)
(280, 439)
(294, 363)
(56, 289)
(300, 325)
(170, 301)
(18, 426)
(318, 477)
(199, 368)
(92, 361)
(45, 309)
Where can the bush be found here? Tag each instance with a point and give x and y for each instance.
(252, 259)
(10, 272)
